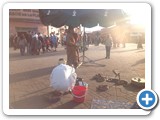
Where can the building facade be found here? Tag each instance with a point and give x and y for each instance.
(24, 20)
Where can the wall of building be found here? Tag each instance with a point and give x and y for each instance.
(24, 20)
(24, 27)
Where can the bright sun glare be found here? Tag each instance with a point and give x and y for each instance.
(137, 16)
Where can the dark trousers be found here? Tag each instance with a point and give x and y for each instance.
(108, 49)
(139, 45)
(22, 49)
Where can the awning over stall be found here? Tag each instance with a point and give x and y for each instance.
(86, 17)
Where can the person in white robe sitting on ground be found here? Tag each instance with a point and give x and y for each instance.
(63, 77)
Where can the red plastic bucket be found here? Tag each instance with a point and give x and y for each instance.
(79, 93)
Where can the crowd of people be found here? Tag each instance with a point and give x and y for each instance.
(73, 43)
(32, 43)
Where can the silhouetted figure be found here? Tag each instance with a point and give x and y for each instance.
(108, 45)
(22, 43)
(139, 43)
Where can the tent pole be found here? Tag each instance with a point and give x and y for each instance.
(83, 43)
(84, 47)
(83, 55)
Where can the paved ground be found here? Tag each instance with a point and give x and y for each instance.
(29, 77)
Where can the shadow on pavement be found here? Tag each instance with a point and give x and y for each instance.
(139, 62)
(17, 56)
(133, 88)
(121, 51)
(68, 105)
(30, 74)
(37, 91)
(99, 59)
(35, 102)
(91, 63)
(140, 51)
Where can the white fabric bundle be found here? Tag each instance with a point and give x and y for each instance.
(63, 78)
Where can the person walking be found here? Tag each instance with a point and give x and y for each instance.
(108, 45)
(139, 42)
(41, 39)
(29, 40)
(15, 41)
(54, 41)
(33, 43)
(47, 43)
(22, 43)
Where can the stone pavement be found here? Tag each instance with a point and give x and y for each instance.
(29, 77)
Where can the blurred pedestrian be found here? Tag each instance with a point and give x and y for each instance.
(108, 45)
(64, 40)
(29, 40)
(54, 41)
(15, 41)
(33, 43)
(22, 43)
(41, 39)
(47, 43)
(139, 43)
